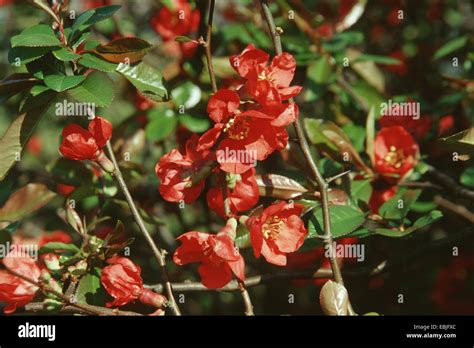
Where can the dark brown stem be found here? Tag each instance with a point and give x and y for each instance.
(450, 184)
(322, 184)
(455, 208)
(159, 254)
(207, 45)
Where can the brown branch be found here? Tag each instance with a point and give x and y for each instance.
(450, 184)
(159, 254)
(455, 208)
(38, 307)
(207, 45)
(322, 184)
(247, 300)
(84, 308)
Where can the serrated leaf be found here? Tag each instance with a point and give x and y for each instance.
(65, 55)
(147, 80)
(92, 61)
(98, 88)
(26, 54)
(60, 83)
(129, 50)
(334, 299)
(40, 35)
(25, 201)
(344, 220)
(20, 130)
(450, 47)
(279, 186)
(93, 16)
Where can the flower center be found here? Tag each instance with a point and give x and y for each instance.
(264, 76)
(237, 129)
(395, 157)
(271, 227)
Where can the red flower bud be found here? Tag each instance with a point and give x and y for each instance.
(80, 144)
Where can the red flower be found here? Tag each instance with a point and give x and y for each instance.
(64, 189)
(178, 20)
(400, 68)
(80, 144)
(395, 153)
(247, 136)
(269, 84)
(445, 125)
(452, 293)
(277, 231)
(183, 176)
(380, 194)
(217, 254)
(123, 282)
(142, 103)
(15, 291)
(242, 193)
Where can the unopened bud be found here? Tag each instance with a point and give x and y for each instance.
(105, 163)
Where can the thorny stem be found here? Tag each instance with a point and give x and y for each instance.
(159, 254)
(322, 184)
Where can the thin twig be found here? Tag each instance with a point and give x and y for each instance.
(247, 300)
(450, 184)
(207, 45)
(159, 254)
(455, 208)
(322, 184)
(84, 308)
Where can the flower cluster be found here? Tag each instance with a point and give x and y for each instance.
(249, 125)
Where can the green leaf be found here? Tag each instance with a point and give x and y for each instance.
(320, 71)
(450, 47)
(38, 89)
(98, 88)
(25, 201)
(344, 220)
(183, 39)
(194, 123)
(93, 16)
(46, 65)
(61, 83)
(397, 207)
(328, 137)
(129, 50)
(26, 54)
(55, 247)
(65, 55)
(40, 35)
(162, 123)
(19, 132)
(89, 289)
(421, 222)
(147, 80)
(467, 177)
(361, 190)
(186, 94)
(242, 238)
(92, 61)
